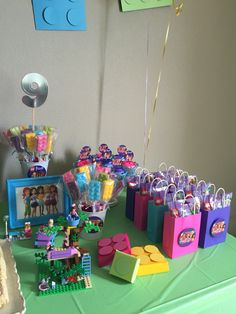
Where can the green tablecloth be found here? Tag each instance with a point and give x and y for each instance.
(202, 282)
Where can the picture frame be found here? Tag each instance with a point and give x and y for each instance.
(36, 200)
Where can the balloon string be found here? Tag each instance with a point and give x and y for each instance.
(178, 10)
(146, 95)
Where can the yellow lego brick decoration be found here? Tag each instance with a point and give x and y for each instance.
(151, 260)
(107, 192)
(30, 141)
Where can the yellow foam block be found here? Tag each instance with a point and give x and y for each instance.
(151, 260)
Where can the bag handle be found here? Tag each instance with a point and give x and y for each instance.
(159, 181)
(223, 198)
(194, 202)
(166, 191)
(177, 192)
(200, 183)
(212, 184)
(163, 164)
(144, 170)
(170, 168)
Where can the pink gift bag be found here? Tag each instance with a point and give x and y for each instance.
(181, 234)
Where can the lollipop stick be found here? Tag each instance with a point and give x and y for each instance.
(33, 119)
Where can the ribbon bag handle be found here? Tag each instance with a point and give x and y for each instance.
(194, 202)
(166, 191)
(214, 188)
(222, 199)
(177, 192)
(159, 181)
(199, 185)
(163, 164)
(143, 171)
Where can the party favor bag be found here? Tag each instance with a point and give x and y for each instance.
(215, 219)
(156, 209)
(133, 186)
(181, 233)
(141, 203)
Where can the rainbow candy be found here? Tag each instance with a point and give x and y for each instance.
(81, 180)
(85, 169)
(49, 144)
(107, 191)
(30, 141)
(94, 190)
(41, 142)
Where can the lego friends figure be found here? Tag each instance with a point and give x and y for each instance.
(53, 198)
(28, 231)
(47, 201)
(26, 199)
(33, 201)
(40, 191)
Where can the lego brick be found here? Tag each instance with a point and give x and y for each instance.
(125, 266)
(59, 15)
(132, 5)
(108, 246)
(151, 260)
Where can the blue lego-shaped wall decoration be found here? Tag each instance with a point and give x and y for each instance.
(59, 14)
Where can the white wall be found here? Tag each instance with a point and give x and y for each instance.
(97, 84)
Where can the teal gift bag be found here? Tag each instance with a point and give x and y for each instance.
(156, 210)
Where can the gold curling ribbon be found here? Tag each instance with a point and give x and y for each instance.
(178, 10)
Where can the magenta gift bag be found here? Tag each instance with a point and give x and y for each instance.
(181, 234)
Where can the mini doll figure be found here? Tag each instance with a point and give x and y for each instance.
(73, 212)
(26, 199)
(47, 201)
(33, 201)
(53, 198)
(40, 191)
(28, 231)
(50, 223)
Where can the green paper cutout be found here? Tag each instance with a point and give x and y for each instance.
(132, 5)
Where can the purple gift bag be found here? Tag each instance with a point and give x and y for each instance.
(214, 222)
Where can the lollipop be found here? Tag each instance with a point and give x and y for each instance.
(36, 86)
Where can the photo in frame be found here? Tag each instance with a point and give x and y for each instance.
(36, 200)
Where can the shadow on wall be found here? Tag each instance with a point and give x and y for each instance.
(60, 166)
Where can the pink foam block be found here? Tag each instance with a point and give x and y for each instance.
(108, 246)
(181, 234)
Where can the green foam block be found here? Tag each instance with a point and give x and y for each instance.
(125, 266)
(132, 5)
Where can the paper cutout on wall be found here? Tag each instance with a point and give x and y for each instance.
(59, 14)
(131, 5)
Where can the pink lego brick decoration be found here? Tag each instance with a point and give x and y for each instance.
(108, 246)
